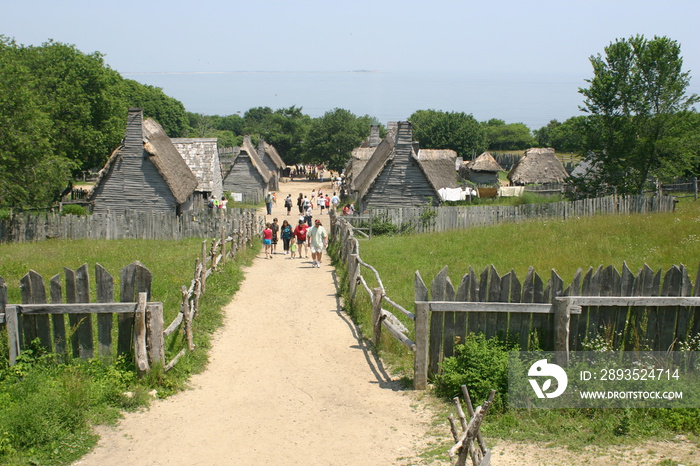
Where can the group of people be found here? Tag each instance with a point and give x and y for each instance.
(299, 240)
(307, 203)
(217, 204)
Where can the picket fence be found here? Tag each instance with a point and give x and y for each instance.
(124, 225)
(431, 219)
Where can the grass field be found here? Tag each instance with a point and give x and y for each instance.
(659, 240)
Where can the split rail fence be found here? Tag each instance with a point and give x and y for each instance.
(628, 311)
(140, 324)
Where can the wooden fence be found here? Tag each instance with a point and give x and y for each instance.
(140, 325)
(618, 310)
(431, 219)
(126, 225)
(624, 310)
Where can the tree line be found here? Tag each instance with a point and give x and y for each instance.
(63, 111)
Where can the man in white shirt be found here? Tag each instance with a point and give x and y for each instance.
(317, 239)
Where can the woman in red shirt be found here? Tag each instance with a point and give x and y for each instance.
(267, 240)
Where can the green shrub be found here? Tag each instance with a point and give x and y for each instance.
(74, 209)
(5, 214)
(479, 363)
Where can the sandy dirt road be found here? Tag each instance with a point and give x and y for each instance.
(289, 382)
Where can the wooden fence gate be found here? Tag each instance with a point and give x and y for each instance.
(139, 323)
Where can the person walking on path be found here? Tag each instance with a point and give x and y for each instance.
(317, 240)
(267, 240)
(286, 233)
(300, 235)
(300, 203)
(268, 203)
(288, 204)
(275, 227)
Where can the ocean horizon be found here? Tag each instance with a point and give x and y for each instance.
(531, 99)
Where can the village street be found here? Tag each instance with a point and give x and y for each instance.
(289, 381)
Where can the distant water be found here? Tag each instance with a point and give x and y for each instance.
(388, 96)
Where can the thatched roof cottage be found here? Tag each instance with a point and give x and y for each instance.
(273, 162)
(247, 177)
(538, 166)
(145, 173)
(202, 156)
(396, 177)
(483, 170)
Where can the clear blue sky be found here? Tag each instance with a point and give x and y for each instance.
(497, 36)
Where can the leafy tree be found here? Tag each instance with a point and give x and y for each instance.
(543, 135)
(564, 137)
(448, 130)
(636, 101)
(512, 136)
(30, 174)
(81, 97)
(333, 136)
(167, 111)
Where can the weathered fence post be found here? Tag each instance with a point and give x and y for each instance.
(105, 294)
(353, 274)
(135, 279)
(377, 295)
(140, 351)
(11, 323)
(154, 336)
(421, 311)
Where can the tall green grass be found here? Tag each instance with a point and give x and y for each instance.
(46, 409)
(658, 240)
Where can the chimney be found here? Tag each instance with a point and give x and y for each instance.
(261, 149)
(374, 139)
(404, 138)
(133, 138)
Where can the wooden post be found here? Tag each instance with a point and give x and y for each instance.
(353, 275)
(135, 279)
(223, 245)
(203, 272)
(140, 350)
(11, 324)
(562, 321)
(104, 283)
(58, 320)
(420, 363)
(154, 335)
(187, 317)
(377, 295)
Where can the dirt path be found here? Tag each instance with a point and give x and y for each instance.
(289, 381)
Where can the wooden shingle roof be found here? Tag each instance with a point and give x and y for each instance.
(202, 156)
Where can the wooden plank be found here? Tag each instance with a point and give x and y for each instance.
(105, 294)
(673, 284)
(454, 306)
(155, 338)
(84, 330)
(450, 330)
(140, 349)
(437, 322)
(27, 323)
(631, 300)
(135, 278)
(420, 361)
(58, 320)
(73, 320)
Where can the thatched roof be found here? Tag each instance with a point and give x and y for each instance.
(162, 153)
(271, 152)
(247, 147)
(484, 163)
(439, 167)
(373, 167)
(358, 159)
(168, 161)
(538, 166)
(202, 156)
